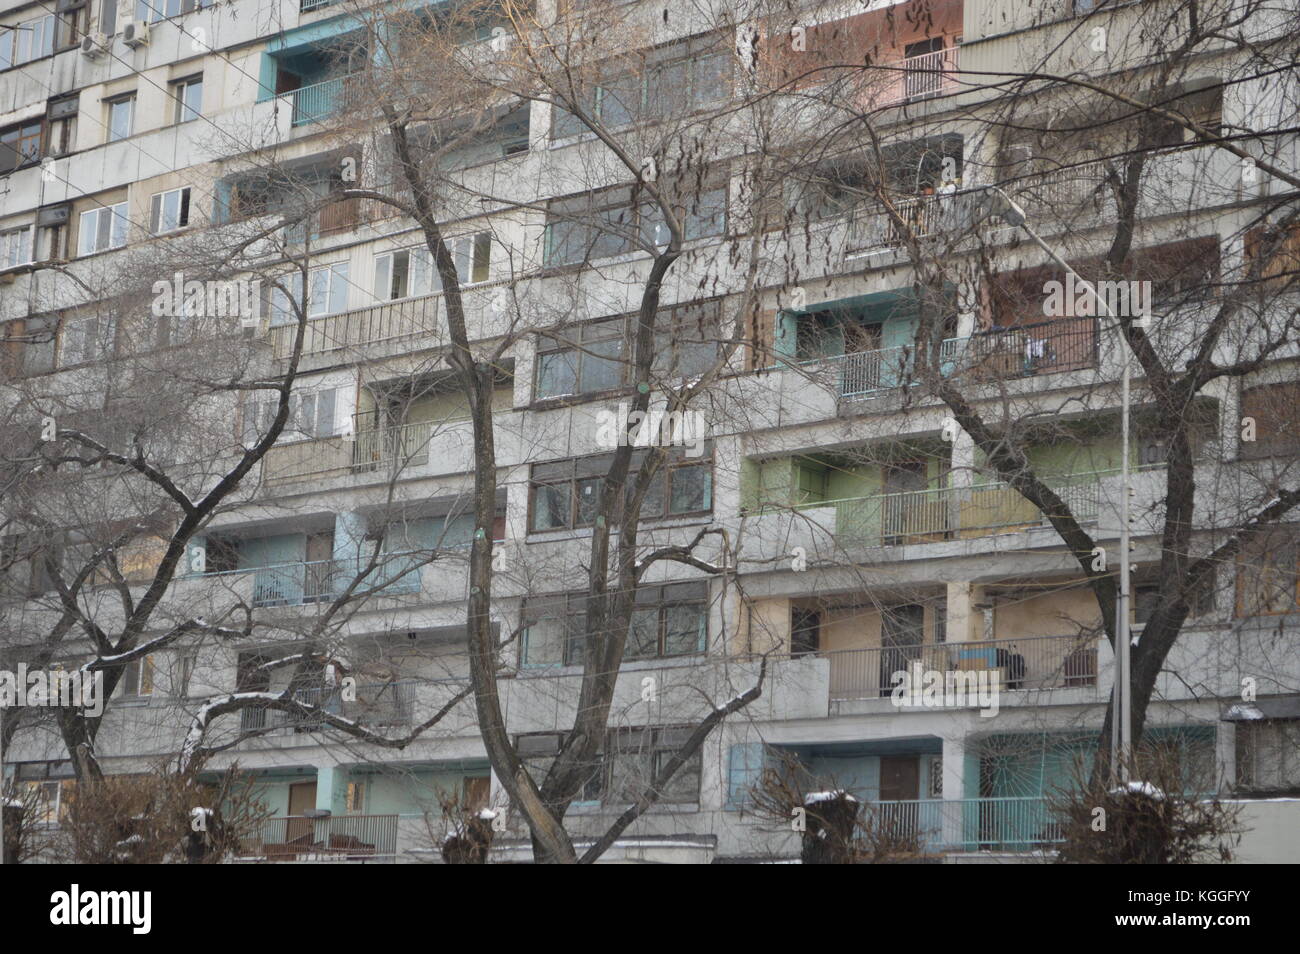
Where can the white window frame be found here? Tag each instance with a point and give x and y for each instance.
(182, 111)
(127, 99)
(116, 230)
(84, 340)
(158, 209)
(469, 251)
(332, 280)
(12, 243)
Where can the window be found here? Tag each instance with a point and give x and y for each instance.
(604, 224)
(27, 41)
(636, 757)
(655, 84)
(121, 117)
(538, 750)
(108, 17)
(169, 211)
(669, 620)
(61, 117)
(1268, 756)
(1267, 579)
(72, 18)
(188, 96)
(1146, 597)
(20, 145)
(312, 416)
(50, 786)
(102, 229)
(136, 681)
(1272, 409)
(24, 563)
(625, 768)
(16, 247)
(27, 346)
(409, 272)
(596, 363)
(566, 494)
(356, 797)
(152, 11)
(85, 340)
(595, 356)
(327, 294)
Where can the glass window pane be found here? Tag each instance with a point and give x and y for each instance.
(602, 365)
(338, 289)
(643, 636)
(692, 489)
(118, 237)
(685, 627)
(588, 501)
(551, 504)
(557, 374)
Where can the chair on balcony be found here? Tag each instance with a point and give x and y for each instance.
(1081, 668)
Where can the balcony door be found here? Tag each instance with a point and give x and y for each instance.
(900, 778)
(302, 799)
(317, 585)
(901, 633)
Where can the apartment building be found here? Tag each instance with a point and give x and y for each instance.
(863, 531)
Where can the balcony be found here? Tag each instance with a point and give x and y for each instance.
(950, 513)
(1033, 663)
(972, 824)
(377, 706)
(408, 318)
(343, 838)
(384, 450)
(1046, 347)
(320, 101)
(925, 215)
(922, 77)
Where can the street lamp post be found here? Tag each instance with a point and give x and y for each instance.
(1121, 730)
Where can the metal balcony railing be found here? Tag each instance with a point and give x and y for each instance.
(924, 215)
(377, 705)
(1045, 347)
(320, 101)
(303, 583)
(333, 838)
(946, 513)
(930, 74)
(973, 824)
(1036, 662)
(376, 449)
(388, 321)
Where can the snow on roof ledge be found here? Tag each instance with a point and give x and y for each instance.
(816, 797)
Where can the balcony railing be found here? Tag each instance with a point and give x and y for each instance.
(924, 215)
(389, 321)
(1036, 662)
(948, 513)
(922, 77)
(319, 581)
(377, 705)
(973, 824)
(1045, 347)
(333, 838)
(320, 101)
(389, 450)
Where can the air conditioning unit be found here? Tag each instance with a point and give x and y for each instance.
(136, 33)
(93, 45)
